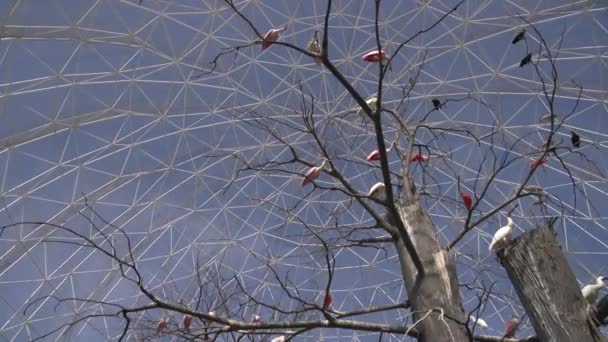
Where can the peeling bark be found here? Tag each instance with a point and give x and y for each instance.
(547, 288)
(439, 289)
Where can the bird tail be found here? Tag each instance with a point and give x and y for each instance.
(492, 245)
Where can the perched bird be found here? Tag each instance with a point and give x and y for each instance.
(503, 234)
(375, 56)
(511, 327)
(539, 162)
(376, 189)
(520, 36)
(256, 318)
(468, 201)
(271, 36)
(575, 139)
(436, 103)
(327, 301)
(533, 188)
(480, 322)
(313, 173)
(590, 291)
(372, 102)
(187, 321)
(212, 314)
(547, 119)
(526, 60)
(412, 82)
(375, 154)
(279, 339)
(162, 324)
(314, 47)
(419, 158)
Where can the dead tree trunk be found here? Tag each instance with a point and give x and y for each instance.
(600, 311)
(438, 292)
(547, 288)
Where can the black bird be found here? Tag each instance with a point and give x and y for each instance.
(526, 60)
(575, 139)
(519, 36)
(436, 103)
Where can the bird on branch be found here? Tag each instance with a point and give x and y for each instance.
(162, 324)
(313, 173)
(480, 322)
(375, 56)
(591, 291)
(511, 327)
(520, 36)
(372, 102)
(575, 139)
(186, 322)
(314, 47)
(271, 36)
(327, 300)
(419, 158)
(502, 235)
(256, 318)
(436, 103)
(526, 60)
(376, 190)
(468, 201)
(375, 154)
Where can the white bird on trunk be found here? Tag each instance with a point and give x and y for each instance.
(377, 189)
(503, 234)
(372, 102)
(480, 322)
(271, 36)
(590, 291)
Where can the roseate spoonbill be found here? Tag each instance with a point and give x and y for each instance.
(520, 36)
(327, 300)
(313, 173)
(162, 324)
(271, 36)
(314, 47)
(375, 56)
(468, 201)
(419, 158)
(590, 291)
(187, 321)
(503, 234)
(575, 139)
(526, 60)
(511, 327)
(539, 162)
(375, 154)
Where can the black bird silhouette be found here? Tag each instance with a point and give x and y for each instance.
(436, 103)
(526, 60)
(575, 139)
(519, 36)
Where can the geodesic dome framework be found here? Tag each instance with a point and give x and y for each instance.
(117, 103)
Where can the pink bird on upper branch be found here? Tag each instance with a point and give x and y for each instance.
(375, 56)
(419, 158)
(511, 327)
(314, 47)
(162, 324)
(468, 201)
(327, 300)
(187, 321)
(271, 36)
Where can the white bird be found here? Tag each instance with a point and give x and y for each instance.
(479, 321)
(376, 189)
(504, 233)
(372, 102)
(278, 339)
(256, 318)
(590, 291)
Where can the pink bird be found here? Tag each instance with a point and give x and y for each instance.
(315, 48)
(468, 201)
(327, 300)
(375, 154)
(511, 327)
(419, 158)
(187, 321)
(539, 162)
(271, 36)
(162, 324)
(375, 56)
(312, 174)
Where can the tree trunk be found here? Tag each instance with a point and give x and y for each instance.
(547, 288)
(439, 289)
(600, 311)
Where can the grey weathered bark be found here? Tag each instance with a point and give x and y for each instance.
(439, 289)
(600, 311)
(547, 288)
